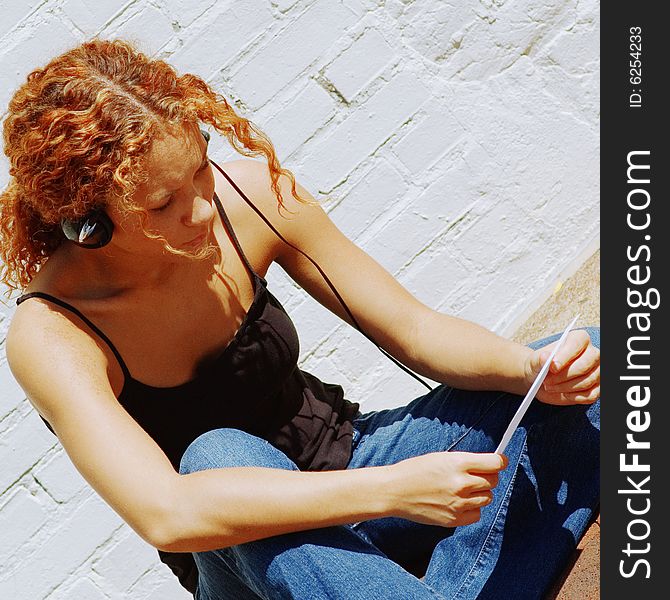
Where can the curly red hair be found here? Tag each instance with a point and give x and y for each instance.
(77, 132)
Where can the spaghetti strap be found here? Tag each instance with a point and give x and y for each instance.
(318, 268)
(84, 318)
(231, 231)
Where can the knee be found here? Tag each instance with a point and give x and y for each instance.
(227, 447)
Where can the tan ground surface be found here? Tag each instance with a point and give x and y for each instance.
(579, 294)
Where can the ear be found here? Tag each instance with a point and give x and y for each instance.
(94, 230)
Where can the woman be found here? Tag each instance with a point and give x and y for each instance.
(154, 351)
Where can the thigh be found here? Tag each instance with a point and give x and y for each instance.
(442, 420)
(218, 574)
(218, 580)
(327, 563)
(445, 419)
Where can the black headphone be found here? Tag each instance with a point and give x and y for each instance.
(95, 229)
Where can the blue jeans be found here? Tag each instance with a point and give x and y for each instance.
(542, 505)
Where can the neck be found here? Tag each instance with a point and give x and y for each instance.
(106, 272)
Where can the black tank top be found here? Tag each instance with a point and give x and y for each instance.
(254, 384)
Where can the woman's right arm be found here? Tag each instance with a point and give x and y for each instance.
(64, 374)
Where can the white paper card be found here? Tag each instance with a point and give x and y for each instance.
(521, 411)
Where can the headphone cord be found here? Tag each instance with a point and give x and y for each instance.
(330, 284)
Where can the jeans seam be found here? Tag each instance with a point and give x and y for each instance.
(239, 570)
(490, 406)
(503, 505)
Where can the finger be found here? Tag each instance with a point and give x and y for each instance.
(582, 365)
(484, 462)
(539, 357)
(575, 343)
(468, 517)
(479, 500)
(480, 482)
(585, 397)
(578, 384)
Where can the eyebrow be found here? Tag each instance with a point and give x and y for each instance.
(163, 196)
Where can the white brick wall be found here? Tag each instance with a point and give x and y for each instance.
(457, 142)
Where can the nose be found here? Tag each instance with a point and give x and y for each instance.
(202, 212)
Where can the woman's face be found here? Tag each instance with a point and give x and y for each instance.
(178, 196)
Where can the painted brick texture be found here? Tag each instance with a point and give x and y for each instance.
(457, 143)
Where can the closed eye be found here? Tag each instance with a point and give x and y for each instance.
(161, 208)
(164, 206)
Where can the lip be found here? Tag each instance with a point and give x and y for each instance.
(196, 241)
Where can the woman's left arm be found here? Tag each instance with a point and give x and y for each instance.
(447, 349)
(574, 375)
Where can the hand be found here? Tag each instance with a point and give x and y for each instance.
(574, 375)
(444, 488)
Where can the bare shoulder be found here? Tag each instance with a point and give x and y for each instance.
(253, 179)
(46, 348)
(38, 321)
